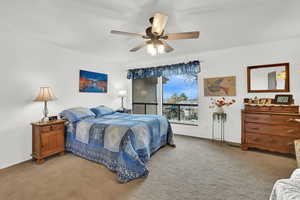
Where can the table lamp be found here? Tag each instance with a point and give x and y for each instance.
(122, 94)
(45, 95)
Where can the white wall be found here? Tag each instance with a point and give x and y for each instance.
(231, 62)
(27, 64)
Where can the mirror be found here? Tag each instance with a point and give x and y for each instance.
(269, 78)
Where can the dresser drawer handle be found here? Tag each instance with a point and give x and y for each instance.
(255, 128)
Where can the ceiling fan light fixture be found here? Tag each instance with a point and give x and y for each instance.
(155, 49)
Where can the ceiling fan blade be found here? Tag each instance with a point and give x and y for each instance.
(167, 47)
(183, 35)
(138, 47)
(159, 23)
(127, 33)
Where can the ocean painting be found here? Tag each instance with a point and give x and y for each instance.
(92, 82)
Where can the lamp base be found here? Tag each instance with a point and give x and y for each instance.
(45, 111)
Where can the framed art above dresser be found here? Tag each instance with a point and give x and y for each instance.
(270, 127)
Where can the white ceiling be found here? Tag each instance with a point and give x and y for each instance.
(84, 25)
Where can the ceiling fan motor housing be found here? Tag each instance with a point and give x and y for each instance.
(150, 34)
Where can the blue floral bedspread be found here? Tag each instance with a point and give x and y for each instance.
(122, 142)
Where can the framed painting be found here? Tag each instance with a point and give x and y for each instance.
(220, 86)
(92, 82)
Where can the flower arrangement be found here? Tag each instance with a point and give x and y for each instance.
(220, 102)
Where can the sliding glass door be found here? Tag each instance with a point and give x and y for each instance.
(144, 96)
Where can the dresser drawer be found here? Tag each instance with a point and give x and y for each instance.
(273, 143)
(273, 119)
(53, 127)
(258, 118)
(274, 109)
(257, 108)
(284, 109)
(281, 130)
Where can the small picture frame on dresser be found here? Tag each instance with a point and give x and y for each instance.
(283, 99)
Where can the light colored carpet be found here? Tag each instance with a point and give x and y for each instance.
(196, 169)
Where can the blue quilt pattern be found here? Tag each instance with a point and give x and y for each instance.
(122, 142)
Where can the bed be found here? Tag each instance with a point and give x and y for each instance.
(122, 142)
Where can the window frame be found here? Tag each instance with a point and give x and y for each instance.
(175, 104)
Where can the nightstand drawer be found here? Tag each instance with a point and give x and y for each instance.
(54, 127)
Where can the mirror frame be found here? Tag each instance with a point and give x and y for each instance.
(287, 80)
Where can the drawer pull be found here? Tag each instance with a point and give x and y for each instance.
(255, 128)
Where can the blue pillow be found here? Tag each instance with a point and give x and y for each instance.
(77, 114)
(102, 110)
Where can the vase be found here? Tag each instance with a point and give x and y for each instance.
(219, 109)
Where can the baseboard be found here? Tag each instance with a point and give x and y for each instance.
(234, 144)
(14, 163)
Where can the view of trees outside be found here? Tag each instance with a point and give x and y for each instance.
(180, 98)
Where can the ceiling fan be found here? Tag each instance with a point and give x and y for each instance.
(155, 36)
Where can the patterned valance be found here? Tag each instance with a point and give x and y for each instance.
(190, 68)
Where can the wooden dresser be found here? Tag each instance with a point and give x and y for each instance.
(271, 128)
(47, 139)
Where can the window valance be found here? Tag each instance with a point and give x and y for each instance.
(190, 68)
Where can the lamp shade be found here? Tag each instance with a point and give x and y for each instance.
(122, 93)
(45, 94)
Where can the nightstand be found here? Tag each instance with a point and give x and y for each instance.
(129, 111)
(48, 138)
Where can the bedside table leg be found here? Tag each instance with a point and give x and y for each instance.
(40, 161)
(62, 153)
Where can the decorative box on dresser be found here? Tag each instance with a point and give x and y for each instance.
(271, 128)
(48, 138)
